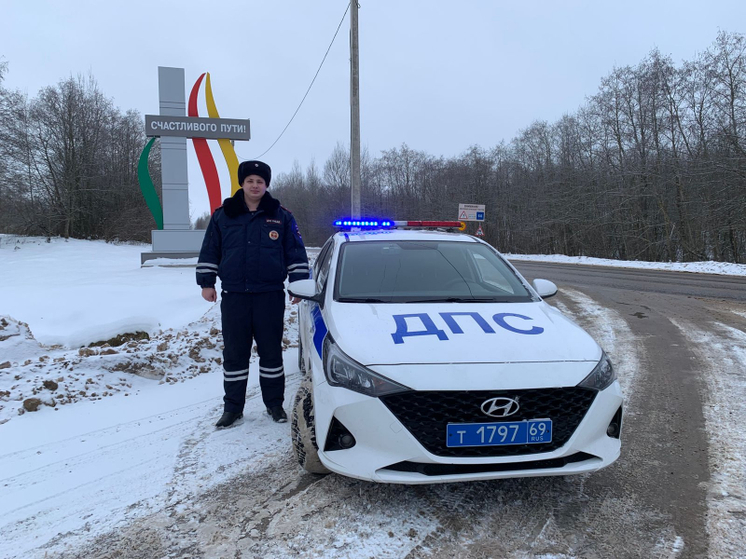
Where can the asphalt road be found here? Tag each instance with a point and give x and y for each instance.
(670, 335)
(664, 465)
(727, 288)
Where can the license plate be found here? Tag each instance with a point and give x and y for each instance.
(534, 431)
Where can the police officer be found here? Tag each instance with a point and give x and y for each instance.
(252, 243)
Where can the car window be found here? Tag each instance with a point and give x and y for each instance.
(490, 274)
(321, 267)
(419, 271)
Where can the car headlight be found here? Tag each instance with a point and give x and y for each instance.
(602, 375)
(341, 370)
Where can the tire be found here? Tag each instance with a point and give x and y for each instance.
(303, 430)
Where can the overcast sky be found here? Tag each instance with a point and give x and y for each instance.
(437, 75)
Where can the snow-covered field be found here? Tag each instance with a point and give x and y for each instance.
(96, 435)
(122, 444)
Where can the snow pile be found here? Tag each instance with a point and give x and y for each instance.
(721, 268)
(72, 292)
(106, 326)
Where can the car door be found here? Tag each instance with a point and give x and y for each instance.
(319, 272)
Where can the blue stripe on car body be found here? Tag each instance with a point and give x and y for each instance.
(320, 329)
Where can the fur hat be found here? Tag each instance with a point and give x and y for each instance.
(254, 168)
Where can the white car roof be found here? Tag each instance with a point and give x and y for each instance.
(402, 235)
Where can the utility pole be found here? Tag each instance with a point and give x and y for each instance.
(354, 113)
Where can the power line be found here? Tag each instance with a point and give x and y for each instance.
(309, 87)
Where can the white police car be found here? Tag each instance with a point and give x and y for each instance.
(428, 358)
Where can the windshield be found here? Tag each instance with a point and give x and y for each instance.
(425, 271)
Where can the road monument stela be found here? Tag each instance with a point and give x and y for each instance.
(174, 237)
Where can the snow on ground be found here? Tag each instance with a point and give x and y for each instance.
(70, 472)
(612, 333)
(143, 408)
(725, 371)
(73, 292)
(722, 268)
(99, 292)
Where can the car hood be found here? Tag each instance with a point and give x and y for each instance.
(438, 333)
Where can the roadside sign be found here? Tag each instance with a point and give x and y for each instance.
(196, 127)
(480, 233)
(471, 212)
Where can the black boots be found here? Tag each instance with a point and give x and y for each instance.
(278, 414)
(228, 419)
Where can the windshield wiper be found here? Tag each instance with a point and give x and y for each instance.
(459, 300)
(438, 300)
(361, 300)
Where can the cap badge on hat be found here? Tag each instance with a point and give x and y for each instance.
(274, 235)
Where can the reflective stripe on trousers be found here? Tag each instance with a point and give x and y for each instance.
(249, 317)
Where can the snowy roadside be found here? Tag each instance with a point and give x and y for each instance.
(141, 433)
(149, 325)
(99, 465)
(42, 377)
(724, 359)
(721, 268)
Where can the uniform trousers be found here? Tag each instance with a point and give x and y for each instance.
(258, 317)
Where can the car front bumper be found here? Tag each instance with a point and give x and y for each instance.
(387, 451)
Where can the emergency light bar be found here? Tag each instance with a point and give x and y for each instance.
(384, 223)
(377, 223)
(459, 224)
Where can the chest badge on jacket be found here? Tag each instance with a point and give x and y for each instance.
(274, 235)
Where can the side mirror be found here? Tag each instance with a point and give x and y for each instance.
(545, 288)
(305, 289)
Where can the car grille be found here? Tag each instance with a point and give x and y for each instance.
(426, 415)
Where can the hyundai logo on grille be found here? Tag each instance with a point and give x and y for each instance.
(500, 407)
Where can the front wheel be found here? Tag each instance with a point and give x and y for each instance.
(303, 430)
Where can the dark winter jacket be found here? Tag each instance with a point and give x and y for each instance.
(251, 252)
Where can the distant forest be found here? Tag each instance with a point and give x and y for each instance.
(651, 167)
(68, 164)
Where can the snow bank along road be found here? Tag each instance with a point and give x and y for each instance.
(156, 480)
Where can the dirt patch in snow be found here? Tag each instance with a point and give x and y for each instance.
(104, 369)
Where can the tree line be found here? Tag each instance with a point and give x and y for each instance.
(651, 167)
(68, 164)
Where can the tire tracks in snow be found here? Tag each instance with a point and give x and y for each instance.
(203, 458)
(67, 446)
(664, 446)
(612, 333)
(194, 469)
(724, 360)
(70, 476)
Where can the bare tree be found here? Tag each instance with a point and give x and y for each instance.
(70, 162)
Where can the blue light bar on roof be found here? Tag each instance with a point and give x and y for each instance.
(386, 223)
(364, 222)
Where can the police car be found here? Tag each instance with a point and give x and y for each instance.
(428, 358)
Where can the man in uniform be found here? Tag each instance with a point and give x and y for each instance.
(252, 243)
